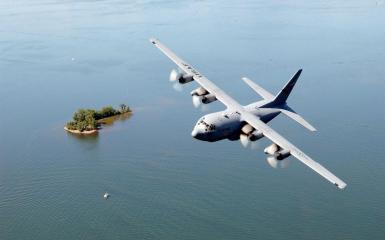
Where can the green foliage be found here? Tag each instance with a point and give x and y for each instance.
(87, 119)
(71, 125)
(108, 111)
(124, 108)
(81, 126)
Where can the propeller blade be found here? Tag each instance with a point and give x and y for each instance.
(174, 75)
(285, 163)
(196, 101)
(274, 163)
(255, 145)
(177, 87)
(244, 140)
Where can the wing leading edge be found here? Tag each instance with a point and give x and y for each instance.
(248, 117)
(294, 151)
(199, 78)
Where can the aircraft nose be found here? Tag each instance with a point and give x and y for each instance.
(194, 133)
(197, 134)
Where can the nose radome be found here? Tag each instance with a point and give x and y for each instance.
(194, 133)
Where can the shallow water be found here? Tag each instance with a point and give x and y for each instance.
(58, 56)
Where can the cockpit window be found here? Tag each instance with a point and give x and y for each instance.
(208, 127)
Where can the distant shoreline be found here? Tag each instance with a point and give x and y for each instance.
(85, 132)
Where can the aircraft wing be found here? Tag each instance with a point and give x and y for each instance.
(248, 117)
(294, 151)
(199, 78)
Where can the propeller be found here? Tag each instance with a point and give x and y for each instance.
(255, 145)
(196, 100)
(246, 142)
(244, 136)
(275, 163)
(177, 87)
(174, 77)
(244, 139)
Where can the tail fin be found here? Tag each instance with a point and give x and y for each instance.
(286, 90)
(279, 101)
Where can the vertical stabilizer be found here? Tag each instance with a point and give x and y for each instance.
(286, 90)
(280, 103)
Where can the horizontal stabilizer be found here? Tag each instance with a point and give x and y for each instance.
(261, 91)
(296, 117)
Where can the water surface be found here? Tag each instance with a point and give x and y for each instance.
(58, 56)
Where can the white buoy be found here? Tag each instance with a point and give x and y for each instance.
(106, 195)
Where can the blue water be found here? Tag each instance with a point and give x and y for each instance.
(58, 56)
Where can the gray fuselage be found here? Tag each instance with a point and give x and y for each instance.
(227, 124)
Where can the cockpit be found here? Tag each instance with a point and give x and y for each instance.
(205, 129)
(204, 125)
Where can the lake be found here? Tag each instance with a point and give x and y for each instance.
(59, 56)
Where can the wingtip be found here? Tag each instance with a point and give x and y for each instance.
(341, 186)
(153, 40)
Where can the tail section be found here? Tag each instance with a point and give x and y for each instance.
(286, 90)
(298, 118)
(279, 101)
(258, 89)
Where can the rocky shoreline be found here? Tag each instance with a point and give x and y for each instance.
(86, 132)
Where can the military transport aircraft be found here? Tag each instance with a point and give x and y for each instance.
(244, 123)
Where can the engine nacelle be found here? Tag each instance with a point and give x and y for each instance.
(247, 129)
(186, 78)
(282, 154)
(251, 133)
(255, 135)
(181, 78)
(208, 98)
(199, 92)
(272, 149)
(277, 151)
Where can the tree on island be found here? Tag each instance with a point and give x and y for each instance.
(107, 112)
(87, 119)
(124, 108)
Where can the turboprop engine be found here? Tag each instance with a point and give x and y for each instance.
(199, 92)
(277, 154)
(249, 134)
(208, 98)
(201, 95)
(277, 151)
(180, 77)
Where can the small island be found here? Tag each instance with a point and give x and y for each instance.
(88, 121)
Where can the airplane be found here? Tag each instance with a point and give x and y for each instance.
(244, 123)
